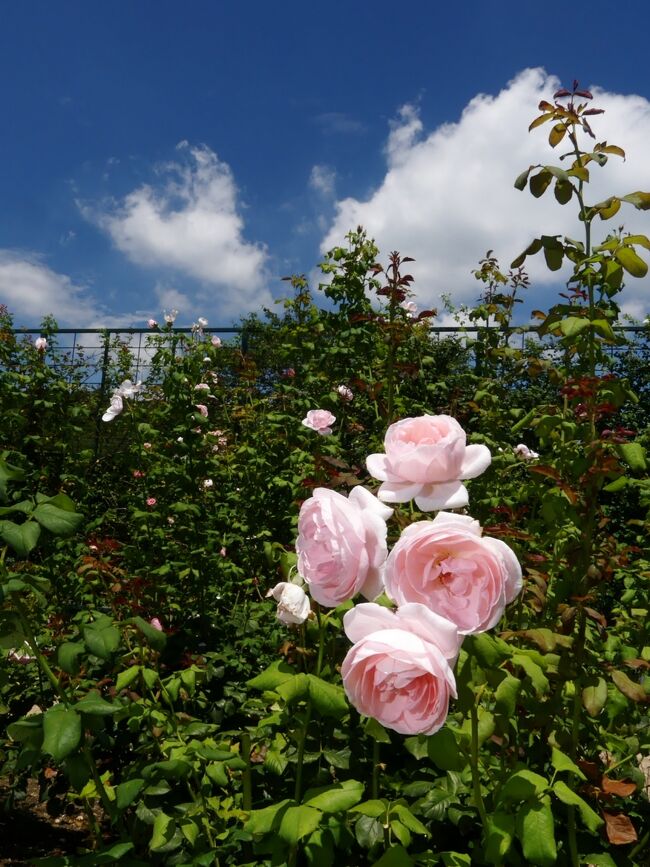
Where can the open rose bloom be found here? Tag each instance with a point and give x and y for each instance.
(293, 603)
(341, 545)
(447, 565)
(425, 460)
(320, 420)
(399, 668)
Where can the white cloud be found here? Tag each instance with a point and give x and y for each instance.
(31, 291)
(322, 179)
(190, 222)
(448, 196)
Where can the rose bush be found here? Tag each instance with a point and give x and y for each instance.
(341, 545)
(399, 668)
(425, 460)
(447, 565)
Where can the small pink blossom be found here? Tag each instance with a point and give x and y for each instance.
(151, 501)
(289, 373)
(41, 344)
(215, 341)
(156, 624)
(202, 386)
(202, 409)
(146, 445)
(170, 317)
(345, 393)
(203, 322)
(223, 552)
(152, 323)
(208, 483)
(319, 420)
(138, 474)
(524, 453)
(410, 307)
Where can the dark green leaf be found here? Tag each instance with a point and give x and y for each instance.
(536, 831)
(61, 522)
(61, 731)
(21, 537)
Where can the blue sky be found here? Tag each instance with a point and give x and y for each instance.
(160, 154)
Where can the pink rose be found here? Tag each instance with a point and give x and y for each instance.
(156, 624)
(399, 669)
(425, 459)
(320, 420)
(448, 566)
(524, 453)
(202, 408)
(40, 344)
(293, 603)
(341, 545)
(151, 501)
(152, 323)
(215, 341)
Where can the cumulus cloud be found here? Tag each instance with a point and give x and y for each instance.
(31, 290)
(190, 223)
(448, 196)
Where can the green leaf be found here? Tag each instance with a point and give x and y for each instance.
(523, 785)
(68, 656)
(591, 819)
(407, 819)
(61, 731)
(500, 833)
(572, 325)
(534, 672)
(562, 762)
(164, 828)
(373, 808)
(557, 133)
(396, 856)
(506, 695)
(629, 688)
(127, 792)
(335, 798)
(278, 672)
(631, 261)
(21, 537)
(602, 860)
(539, 182)
(268, 819)
(607, 209)
(489, 651)
(594, 697)
(640, 200)
(95, 705)
(443, 750)
(298, 822)
(28, 730)
(60, 522)
(535, 829)
(297, 686)
(522, 179)
(376, 731)
(563, 191)
(329, 699)
(156, 637)
(102, 640)
(127, 677)
(633, 454)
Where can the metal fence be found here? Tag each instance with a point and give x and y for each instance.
(93, 351)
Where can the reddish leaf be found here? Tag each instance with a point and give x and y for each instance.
(617, 787)
(629, 688)
(619, 828)
(590, 769)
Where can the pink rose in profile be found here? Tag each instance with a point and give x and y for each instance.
(425, 459)
(152, 323)
(293, 603)
(447, 565)
(215, 341)
(202, 408)
(345, 393)
(341, 545)
(320, 420)
(399, 669)
(156, 624)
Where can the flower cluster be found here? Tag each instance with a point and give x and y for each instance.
(444, 577)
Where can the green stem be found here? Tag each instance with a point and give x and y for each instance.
(247, 779)
(40, 658)
(375, 770)
(476, 779)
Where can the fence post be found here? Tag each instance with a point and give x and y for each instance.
(102, 387)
